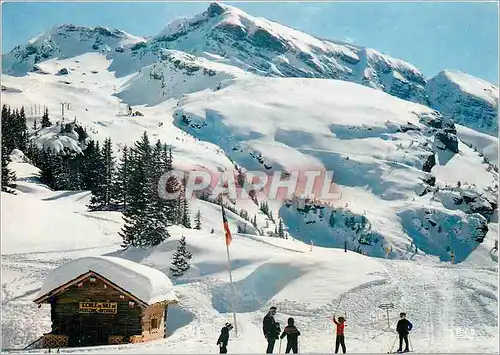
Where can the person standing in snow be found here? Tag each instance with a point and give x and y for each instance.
(403, 328)
(292, 337)
(271, 329)
(339, 340)
(224, 338)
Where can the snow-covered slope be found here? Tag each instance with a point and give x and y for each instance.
(385, 154)
(453, 307)
(177, 74)
(467, 100)
(65, 41)
(381, 149)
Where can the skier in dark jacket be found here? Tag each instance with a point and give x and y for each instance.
(271, 329)
(403, 328)
(224, 338)
(292, 337)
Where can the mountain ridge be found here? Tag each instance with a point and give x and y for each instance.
(253, 44)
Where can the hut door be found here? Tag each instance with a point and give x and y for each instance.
(95, 330)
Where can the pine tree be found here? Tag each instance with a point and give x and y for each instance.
(7, 130)
(21, 130)
(158, 209)
(331, 221)
(95, 175)
(109, 171)
(186, 218)
(281, 232)
(136, 228)
(93, 168)
(46, 167)
(197, 220)
(45, 119)
(121, 184)
(180, 260)
(14, 129)
(8, 176)
(145, 221)
(172, 185)
(35, 126)
(101, 178)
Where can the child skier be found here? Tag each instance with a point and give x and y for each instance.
(339, 341)
(292, 337)
(403, 328)
(224, 338)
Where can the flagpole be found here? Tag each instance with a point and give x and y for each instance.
(232, 289)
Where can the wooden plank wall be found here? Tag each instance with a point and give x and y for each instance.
(65, 309)
(153, 311)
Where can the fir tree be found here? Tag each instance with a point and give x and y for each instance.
(281, 232)
(186, 218)
(35, 126)
(136, 227)
(145, 222)
(109, 171)
(158, 209)
(331, 221)
(102, 165)
(21, 131)
(121, 184)
(8, 176)
(7, 130)
(197, 220)
(180, 260)
(45, 119)
(93, 169)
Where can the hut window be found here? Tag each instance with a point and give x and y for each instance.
(154, 323)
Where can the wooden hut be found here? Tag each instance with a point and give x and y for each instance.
(105, 300)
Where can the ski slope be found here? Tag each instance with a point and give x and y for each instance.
(445, 302)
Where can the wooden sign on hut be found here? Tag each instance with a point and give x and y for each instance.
(105, 300)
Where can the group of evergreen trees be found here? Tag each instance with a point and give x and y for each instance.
(14, 129)
(147, 215)
(67, 170)
(14, 136)
(264, 207)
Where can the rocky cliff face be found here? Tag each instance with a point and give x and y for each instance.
(467, 100)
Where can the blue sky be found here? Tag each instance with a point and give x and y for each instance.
(432, 36)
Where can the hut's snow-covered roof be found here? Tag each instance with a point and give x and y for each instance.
(147, 284)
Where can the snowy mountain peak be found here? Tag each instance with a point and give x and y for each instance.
(65, 41)
(267, 48)
(227, 35)
(467, 100)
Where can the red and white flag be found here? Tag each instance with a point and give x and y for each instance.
(226, 227)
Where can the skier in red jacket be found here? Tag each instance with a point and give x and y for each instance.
(339, 341)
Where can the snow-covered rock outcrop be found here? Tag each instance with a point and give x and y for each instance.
(65, 41)
(467, 100)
